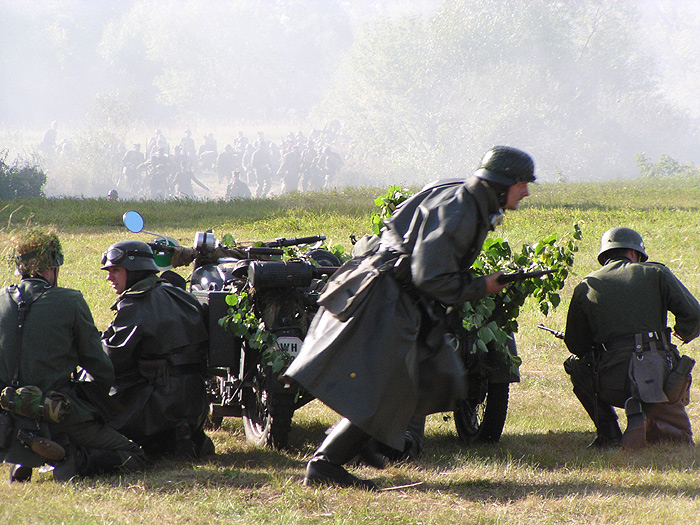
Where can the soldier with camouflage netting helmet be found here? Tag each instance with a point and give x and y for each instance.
(35, 251)
(46, 333)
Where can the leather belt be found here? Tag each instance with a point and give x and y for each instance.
(630, 341)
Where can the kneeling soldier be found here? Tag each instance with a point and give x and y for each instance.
(46, 332)
(623, 356)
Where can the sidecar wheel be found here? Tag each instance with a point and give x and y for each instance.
(482, 419)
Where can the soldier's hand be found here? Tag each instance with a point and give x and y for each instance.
(492, 284)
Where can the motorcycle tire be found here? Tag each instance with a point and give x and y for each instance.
(267, 417)
(482, 420)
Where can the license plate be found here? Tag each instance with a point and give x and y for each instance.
(289, 345)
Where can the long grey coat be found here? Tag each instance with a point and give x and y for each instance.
(375, 352)
(154, 344)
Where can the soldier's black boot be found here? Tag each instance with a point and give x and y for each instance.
(340, 446)
(635, 434)
(20, 474)
(184, 446)
(604, 417)
(609, 435)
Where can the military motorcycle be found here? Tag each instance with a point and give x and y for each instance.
(242, 384)
(241, 380)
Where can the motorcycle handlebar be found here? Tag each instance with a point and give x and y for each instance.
(162, 248)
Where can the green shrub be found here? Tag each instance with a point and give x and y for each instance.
(20, 182)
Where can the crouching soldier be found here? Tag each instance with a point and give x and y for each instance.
(156, 343)
(46, 332)
(623, 356)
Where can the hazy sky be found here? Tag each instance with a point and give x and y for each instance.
(62, 59)
(52, 67)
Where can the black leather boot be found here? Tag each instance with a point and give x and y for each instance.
(343, 443)
(20, 474)
(608, 433)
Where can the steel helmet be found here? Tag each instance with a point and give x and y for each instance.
(130, 255)
(507, 166)
(36, 251)
(621, 238)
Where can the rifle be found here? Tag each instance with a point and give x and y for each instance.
(556, 333)
(521, 276)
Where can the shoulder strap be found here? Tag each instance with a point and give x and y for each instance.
(22, 310)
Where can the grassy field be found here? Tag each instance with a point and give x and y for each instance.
(540, 472)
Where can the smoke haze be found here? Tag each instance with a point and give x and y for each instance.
(614, 79)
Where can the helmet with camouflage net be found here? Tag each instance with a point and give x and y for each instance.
(130, 255)
(507, 166)
(625, 238)
(36, 251)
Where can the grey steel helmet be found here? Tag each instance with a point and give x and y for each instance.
(130, 255)
(507, 166)
(625, 238)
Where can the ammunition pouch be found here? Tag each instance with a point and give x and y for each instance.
(155, 371)
(29, 401)
(158, 371)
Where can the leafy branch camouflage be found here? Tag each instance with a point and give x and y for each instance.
(34, 250)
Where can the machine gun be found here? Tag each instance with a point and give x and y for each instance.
(556, 333)
(522, 276)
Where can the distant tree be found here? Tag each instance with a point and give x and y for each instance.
(19, 181)
(232, 60)
(563, 80)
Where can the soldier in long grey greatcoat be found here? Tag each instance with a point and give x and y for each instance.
(616, 328)
(156, 344)
(376, 352)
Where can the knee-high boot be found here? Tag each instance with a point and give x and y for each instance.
(603, 416)
(343, 443)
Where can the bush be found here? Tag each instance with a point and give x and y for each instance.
(666, 166)
(20, 182)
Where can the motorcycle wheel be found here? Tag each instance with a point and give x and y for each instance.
(482, 419)
(267, 417)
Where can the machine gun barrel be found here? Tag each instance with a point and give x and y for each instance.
(556, 333)
(281, 241)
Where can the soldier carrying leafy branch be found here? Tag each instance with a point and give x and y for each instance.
(376, 351)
